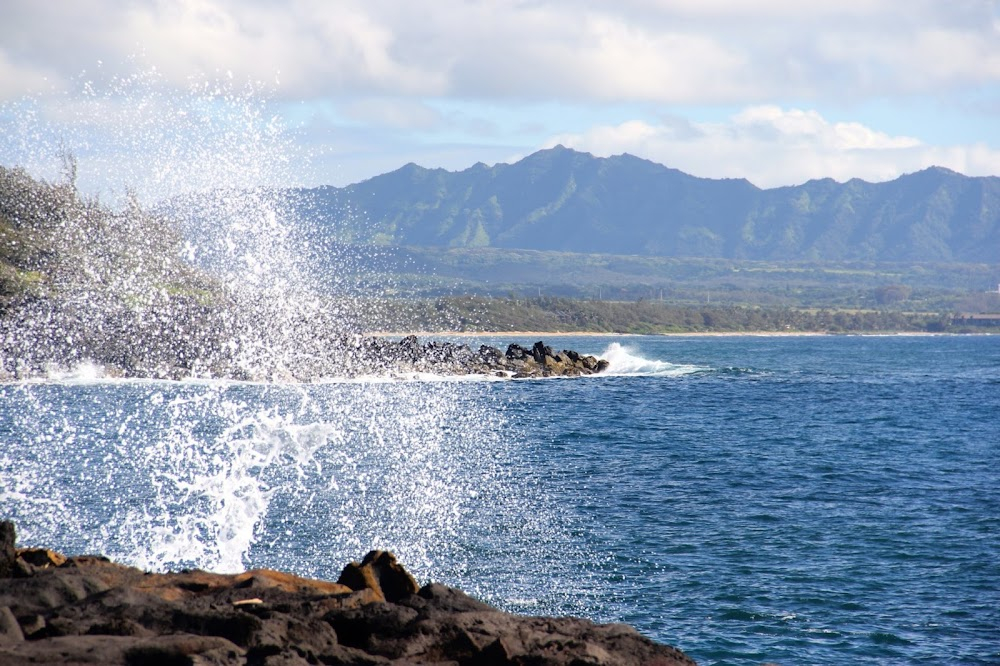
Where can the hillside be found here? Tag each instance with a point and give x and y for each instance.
(80, 280)
(563, 200)
(56, 243)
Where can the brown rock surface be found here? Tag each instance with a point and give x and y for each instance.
(380, 573)
(88, 610)
(8, 555)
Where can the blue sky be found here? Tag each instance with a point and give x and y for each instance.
(776, 91)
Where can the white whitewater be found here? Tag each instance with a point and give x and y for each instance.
(626, 361)
(225, 475)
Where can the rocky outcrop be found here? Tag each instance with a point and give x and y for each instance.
(540, 360)
(380, 573)
(88, 610)
(186, 339)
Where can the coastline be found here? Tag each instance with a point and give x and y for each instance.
(56, 609)
(688, 334)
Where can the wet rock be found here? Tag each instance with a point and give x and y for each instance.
(258, 578)
(10, 629)
(41, 558)
(517, 352)
(89, 610)
(126, 651)
(379, 572)
(444, 625)
(443, 599)
(540, 351)
(380, 356)
(8, 556)
(542, 361)
(409, 349)
(491, 356)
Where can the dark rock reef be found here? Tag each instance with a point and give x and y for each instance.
(540, 360)
(188, 340)
(88, 610)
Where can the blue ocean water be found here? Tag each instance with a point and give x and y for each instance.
(797, 500)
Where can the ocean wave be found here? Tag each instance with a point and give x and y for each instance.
(90, 372)
(626, 361)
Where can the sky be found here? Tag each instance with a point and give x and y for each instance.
(775, 91)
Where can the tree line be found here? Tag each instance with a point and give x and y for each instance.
(477, 313)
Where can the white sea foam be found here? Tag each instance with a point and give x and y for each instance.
(625, 361)
(84, 371)
(221, 474)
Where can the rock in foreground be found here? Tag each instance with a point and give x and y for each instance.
(88, 610)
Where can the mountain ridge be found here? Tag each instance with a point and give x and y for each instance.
(566, 200)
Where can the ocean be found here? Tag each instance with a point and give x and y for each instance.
(749, 499)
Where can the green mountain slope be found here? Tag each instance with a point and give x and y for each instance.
(564, 200)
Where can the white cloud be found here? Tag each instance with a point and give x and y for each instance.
(692, 51)
(18, 79)
(773, 147)
(398, 67)
(311, 46)
(391, 113)
(785, 9)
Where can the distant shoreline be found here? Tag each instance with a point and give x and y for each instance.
(690, 334)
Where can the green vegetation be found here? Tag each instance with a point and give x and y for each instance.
(59, 247)
(474, 314)
(497, 272)
(563, 200)
(58, 244)
(560, 223)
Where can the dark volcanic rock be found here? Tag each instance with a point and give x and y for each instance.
(88, 610)
(10, 628)
(380, 573)
(542, 361)
(448, 358)
(8, 557)
(540, 351)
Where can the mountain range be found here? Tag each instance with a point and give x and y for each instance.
(563, 200)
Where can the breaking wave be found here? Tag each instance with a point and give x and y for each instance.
(272, 449)
(626, 361)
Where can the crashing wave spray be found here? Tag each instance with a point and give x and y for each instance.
(624, 361)
(190, 473)
(216, 280)
(224, 476)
